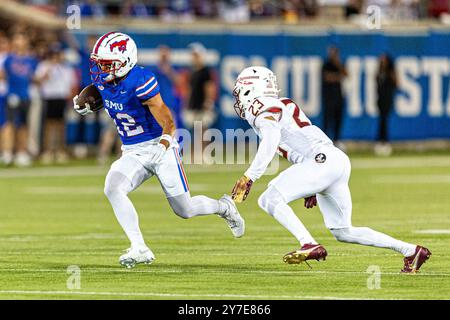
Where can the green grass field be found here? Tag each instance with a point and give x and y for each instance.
(54, 217)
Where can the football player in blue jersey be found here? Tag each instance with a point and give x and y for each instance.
(131, 97)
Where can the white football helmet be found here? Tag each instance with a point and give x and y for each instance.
(113, 56)
(253, 82)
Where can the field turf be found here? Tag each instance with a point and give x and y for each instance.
(55, 217)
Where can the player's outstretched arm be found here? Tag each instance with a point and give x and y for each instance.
(163, 116)
(270, 139)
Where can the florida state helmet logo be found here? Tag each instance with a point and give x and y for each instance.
(120, 45)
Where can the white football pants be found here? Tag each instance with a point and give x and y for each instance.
(326, 175)
(132, 169)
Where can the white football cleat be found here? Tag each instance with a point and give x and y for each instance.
(232, 217)
(22, 159)
(7, 158)
(136, 255)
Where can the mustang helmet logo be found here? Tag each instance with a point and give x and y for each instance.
(120, 45)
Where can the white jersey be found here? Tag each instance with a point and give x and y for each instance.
(286, 130)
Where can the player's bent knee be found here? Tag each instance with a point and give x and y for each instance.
(109, 190)
(115, 183)
(341, 234)
(269, 199)
(262, 201)
(181, 206)
(184, 213)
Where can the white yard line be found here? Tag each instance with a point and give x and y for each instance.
(196, 253)
(411, 179)
(298, 271)
(433, 231)
(179, 295)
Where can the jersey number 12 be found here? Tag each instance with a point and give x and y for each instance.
(128, 123)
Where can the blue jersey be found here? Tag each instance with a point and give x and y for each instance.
(124, 103)
(19, 73)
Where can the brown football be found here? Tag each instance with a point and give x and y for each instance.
(90, 95)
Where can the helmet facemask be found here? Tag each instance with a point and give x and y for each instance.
(238, 107)
(104, 70)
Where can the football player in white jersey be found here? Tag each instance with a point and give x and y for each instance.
(319, 172)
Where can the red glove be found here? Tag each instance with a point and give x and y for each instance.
(310, 202)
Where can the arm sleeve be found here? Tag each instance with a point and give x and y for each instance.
(146, 86)
(270, 139)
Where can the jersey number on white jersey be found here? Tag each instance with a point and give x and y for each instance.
(299, 117)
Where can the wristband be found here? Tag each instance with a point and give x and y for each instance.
(166, 137)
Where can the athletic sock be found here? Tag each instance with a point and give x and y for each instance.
(202, 205)
(284, 214)
(369, 237)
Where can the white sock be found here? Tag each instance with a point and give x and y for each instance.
(186, 206)
(123, 208)
(202, 205)
(284, 214)
(369, 237)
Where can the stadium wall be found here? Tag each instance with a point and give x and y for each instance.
(422, 102)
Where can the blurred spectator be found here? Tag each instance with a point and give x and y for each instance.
(4, 50)
(168, 80)
(176, 10)
(353, 7)
(134, 8)
(82, 131)
(57, 81)
(404, 10)
(91, 8)
(19, 69)
(308, 8)
(108, 138)
(241, 11)
(202, 91)
(295, 9)
(333, 73)
(386, 86)
(262, 9)
(234, 11)
(204, 8)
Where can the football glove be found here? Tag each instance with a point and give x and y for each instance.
(310, 202)
(157, 153)
(83, 111)
(241, 189)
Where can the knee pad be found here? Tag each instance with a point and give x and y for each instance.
(115, 183)
(269, 199)
(181, 206)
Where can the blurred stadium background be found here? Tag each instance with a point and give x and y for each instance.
(292, 37)
(54, 215)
